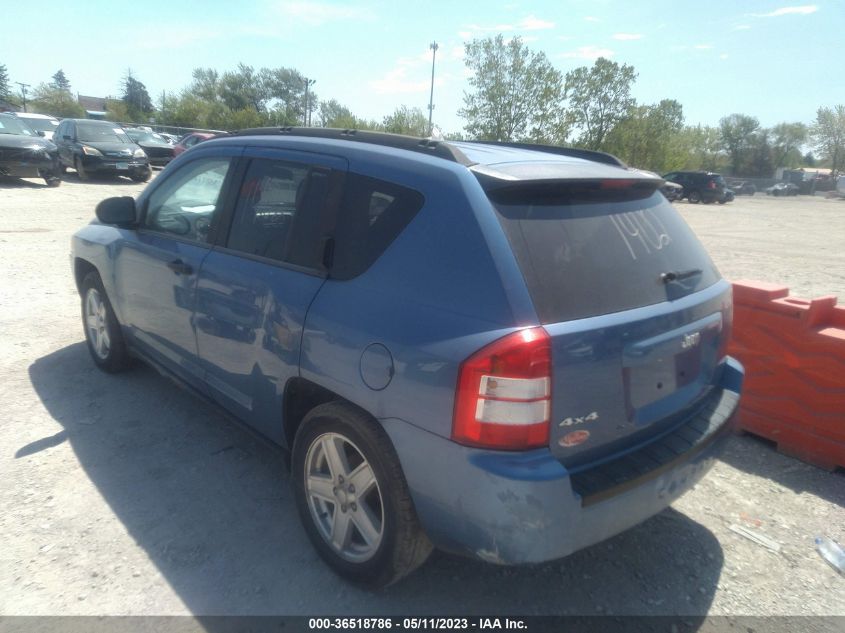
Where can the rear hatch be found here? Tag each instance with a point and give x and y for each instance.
(630, 299)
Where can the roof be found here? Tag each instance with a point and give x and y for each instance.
(491, 159)
(33, 115)
(95, 104)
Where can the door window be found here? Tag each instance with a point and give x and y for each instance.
(185, 204)
(279, 212)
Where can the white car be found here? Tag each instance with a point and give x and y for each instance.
(43, 124)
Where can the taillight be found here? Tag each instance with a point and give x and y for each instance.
(504, 393)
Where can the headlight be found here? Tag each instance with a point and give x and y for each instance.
(139, 153)
(90, 151)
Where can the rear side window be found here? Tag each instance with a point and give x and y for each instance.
(584, 254)
(372, 214)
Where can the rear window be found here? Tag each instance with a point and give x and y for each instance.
(584, 253)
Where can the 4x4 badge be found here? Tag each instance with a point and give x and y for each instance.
(582, 420)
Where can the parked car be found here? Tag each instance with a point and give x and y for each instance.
(170, 138)
(155, 146)
(505, 351)
(727, 197)
(699, 186)
(99, 147)
(743, 188)
(189, 140)
(672, 190)
(23, 154)
(43, 124)
(783, 189)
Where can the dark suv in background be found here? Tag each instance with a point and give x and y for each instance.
(699, 186)
(99, 147)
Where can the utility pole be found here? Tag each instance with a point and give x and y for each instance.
(306, 119)
(433, 46)
(23, 92)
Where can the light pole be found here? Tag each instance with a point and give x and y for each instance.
(306, 120)
(433, 46)
(23, 92)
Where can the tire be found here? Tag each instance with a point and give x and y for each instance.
(142, 177)
(80, 170)
(722, 201)
(395, 543)
(694, 197)
(53, 180)
(98, 320)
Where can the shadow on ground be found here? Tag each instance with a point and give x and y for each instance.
(758, 456)
(211, 507)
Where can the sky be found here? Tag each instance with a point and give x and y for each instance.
(773, 60)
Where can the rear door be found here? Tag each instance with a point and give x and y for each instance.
(255, 288)
(632, 303)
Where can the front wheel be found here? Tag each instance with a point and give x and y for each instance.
(141, 176)
(102, 331)
(353, 499)
(694, 197)
(80, 170)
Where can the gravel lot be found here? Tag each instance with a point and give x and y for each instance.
(125, 495)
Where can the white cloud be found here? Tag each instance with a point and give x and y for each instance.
(457, 52)
(396, 81)
(703, 47)
(591, 18)
(465, 35)
(564, 38)
(531, 23)
(741, 27)
(318, 13)
(528, 23)
(627, 36)
(724, 56)
(588, 52)
(799, 10)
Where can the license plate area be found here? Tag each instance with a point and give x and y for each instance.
(122, 166)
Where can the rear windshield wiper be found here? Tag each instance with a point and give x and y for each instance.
(679, 275)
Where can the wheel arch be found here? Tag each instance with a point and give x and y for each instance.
(301, 396)
(81, 268)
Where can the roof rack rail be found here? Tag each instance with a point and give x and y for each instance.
(586, 154)
(439, 149)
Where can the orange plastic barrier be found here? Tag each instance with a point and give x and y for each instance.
(794, 356)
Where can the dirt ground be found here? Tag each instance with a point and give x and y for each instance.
(125, 495)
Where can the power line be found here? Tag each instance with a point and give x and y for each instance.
(23, 92)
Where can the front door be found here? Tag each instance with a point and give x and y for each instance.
(157, 273)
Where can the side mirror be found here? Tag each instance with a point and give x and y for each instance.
(119, 211)
(41, 133)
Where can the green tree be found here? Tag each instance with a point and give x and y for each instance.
(698, 147)
(333, 114)
(737, 132)
(516, 94)
(405, 120)
(47, 99)
(5, 89)
(760, 156)
(242, 88)
(828, 134)
(599, 98)
(137, 99)
(787, 139)
(648, 136)
(60, 81)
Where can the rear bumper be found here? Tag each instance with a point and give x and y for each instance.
(512, 508)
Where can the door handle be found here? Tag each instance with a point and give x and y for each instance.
(179, 267)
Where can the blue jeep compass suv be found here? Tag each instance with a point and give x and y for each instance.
(505, 351)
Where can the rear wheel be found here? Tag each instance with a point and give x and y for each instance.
(80, 169)
(102, 331)
(141, 176)
(694, 197)
(353, 499)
